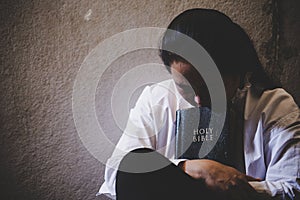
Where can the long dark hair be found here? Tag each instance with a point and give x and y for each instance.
(226, 42)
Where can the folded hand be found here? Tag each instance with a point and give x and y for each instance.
(221, 178)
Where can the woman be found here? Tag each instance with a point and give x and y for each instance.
(265, 149)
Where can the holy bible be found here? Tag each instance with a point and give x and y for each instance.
(200, 133)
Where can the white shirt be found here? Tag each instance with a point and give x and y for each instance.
(271, 136)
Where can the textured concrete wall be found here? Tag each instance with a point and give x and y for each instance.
(43, 44)
(289, 46)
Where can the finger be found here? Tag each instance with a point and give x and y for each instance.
(250, 178)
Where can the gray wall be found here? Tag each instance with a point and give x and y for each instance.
(43, 44)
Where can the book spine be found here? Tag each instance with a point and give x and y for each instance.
(178, 144)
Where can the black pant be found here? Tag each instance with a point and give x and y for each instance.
(166, 182)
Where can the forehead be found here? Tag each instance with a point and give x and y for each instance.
(185, 69)
(185, 73)
(182, 67)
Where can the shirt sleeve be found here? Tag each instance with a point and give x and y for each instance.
(282, 159)
(139, 133)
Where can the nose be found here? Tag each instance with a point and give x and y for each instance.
(197, 100)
